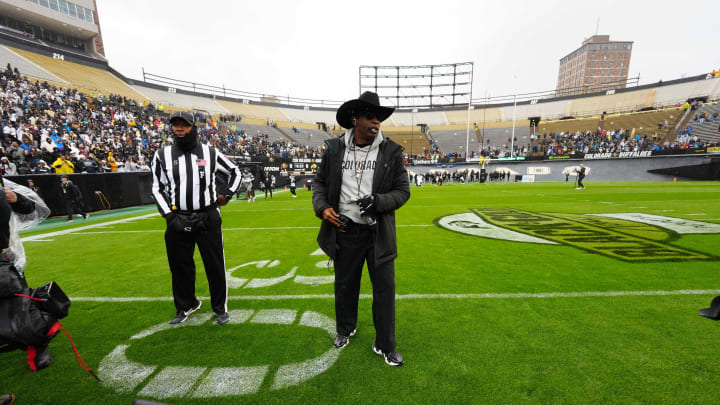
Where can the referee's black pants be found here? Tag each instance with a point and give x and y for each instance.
(355, 247)
(180, 249)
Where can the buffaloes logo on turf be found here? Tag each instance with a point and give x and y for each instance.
(631, 237)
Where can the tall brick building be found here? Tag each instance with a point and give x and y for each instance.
(598, 64)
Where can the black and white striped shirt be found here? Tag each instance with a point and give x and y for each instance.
(186, 180)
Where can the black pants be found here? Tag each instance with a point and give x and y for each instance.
(580, 179)
(74, 207)
(266, 191)
(180, 249)
(355, 248)
(292, 190)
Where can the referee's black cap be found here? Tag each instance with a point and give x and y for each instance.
(182, 115)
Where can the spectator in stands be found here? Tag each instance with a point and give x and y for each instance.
(7, 168)
(63, 165)
(42, 168)
(112, 162)
(25, 169)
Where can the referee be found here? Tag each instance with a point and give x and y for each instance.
(185, 192)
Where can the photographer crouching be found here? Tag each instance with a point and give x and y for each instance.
(23, 326)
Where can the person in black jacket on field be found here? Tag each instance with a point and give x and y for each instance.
(360, 183)
(73, 199)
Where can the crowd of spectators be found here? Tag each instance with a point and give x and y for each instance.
(48, 129)
(610, 141)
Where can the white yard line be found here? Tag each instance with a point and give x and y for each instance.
(420, 296)
(82, 228)
(273, 228)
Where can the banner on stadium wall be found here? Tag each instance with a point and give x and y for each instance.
(714, 149)
(528, 178)
(558, 157)
(512, 158)
(619, 155)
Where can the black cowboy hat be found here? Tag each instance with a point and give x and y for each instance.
(367, 101)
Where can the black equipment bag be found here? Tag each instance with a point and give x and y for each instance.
(54, 301)
(23, 323)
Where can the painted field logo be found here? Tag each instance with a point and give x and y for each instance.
(118, 372)
(632, 237)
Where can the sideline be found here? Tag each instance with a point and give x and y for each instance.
(44, 236)
(419, 296)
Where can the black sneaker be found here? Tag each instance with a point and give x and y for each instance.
(222, 319)
(341, 341)
(181, 316)
(391, 358)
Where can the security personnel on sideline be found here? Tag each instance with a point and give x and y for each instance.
(185, 192)
(360, 183)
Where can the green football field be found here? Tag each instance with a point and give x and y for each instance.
(506, 293)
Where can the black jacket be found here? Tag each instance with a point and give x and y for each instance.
(390, 188)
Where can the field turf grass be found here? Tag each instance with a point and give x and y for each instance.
(476, 320)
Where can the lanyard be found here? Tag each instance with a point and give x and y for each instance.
(359, 173)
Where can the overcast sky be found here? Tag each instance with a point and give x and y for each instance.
(312, 49)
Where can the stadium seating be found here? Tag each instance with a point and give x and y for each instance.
(185, 101)
(311, 116)
(408, 118)
(87, 79)
(476, 116)
(256, 130)
(305, 136)
(573, 125)
(453, 141)
(27, 67)
(254, 111)
(618, 102)
(645, 122)
(708, 131)
(411, 138)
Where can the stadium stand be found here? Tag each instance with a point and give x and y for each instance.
(625, 101)
(305, 136)
(267, 113)
(27, 67)
(706, 123)
(424, 117)
(677, 94)
(312, 116)
(496, 139)
(88, 79)
(571, 125)
(490, 114)
(646, 122)
(179, 100)
(412, 139)
(273, 134)
(450, 142)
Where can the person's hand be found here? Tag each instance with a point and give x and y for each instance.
(329, 214)
(10, 195)
(367, 205)
(222, 200)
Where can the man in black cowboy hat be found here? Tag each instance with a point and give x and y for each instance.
(360, 183)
